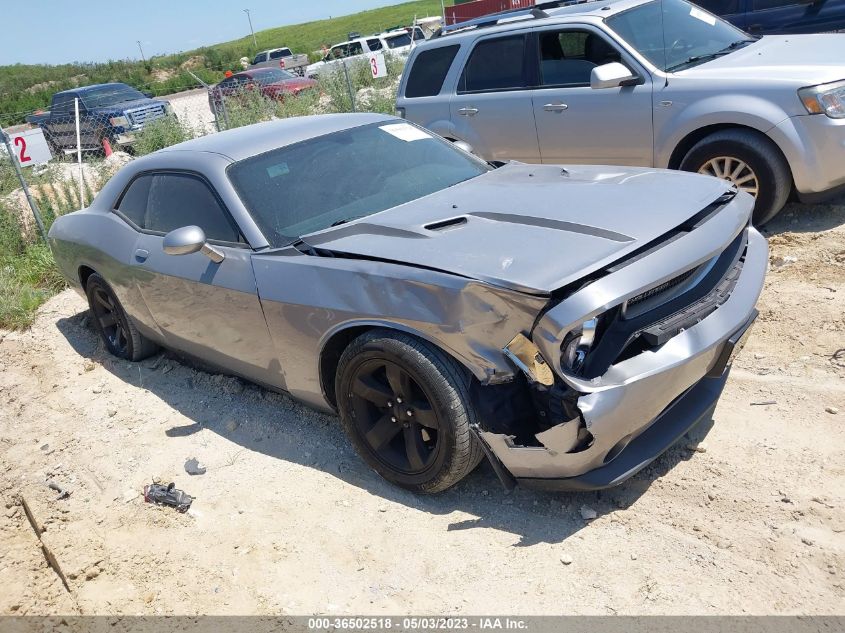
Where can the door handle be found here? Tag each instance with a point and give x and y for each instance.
(141, 254)
(555, 107)
(468, 111)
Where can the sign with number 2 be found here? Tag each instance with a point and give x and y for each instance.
(30, 147)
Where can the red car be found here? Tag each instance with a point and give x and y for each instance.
(274, 83)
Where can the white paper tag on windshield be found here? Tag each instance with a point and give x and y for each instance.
(405, 132)
(702, 15)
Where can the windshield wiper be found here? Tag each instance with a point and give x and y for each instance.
(708, 56)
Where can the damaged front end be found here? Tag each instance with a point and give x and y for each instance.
(617, 370)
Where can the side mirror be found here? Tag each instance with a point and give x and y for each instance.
(464, 146)
(190, 239)
(611, 75)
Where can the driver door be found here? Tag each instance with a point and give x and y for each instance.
(208, 310)
(579, 124)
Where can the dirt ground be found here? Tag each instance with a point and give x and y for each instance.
(746, 516)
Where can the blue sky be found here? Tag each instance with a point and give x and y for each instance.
(59, 31)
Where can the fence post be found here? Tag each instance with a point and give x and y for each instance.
(24, 186)
(79, 153)
(348, 84)
(211, 100)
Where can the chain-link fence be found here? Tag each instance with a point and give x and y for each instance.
(87, 133)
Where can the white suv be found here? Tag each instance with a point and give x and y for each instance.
(393, 42)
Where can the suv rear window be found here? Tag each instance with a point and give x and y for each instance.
(429, 71)
(497, 64)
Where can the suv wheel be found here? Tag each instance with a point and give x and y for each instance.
(406, 408)
(748, 160)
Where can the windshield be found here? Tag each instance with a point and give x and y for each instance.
(110, 94)
(271, 75)
(685, 36)
(324, 181)
(395, 41)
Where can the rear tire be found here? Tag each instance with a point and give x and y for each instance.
(749, 160)
(119, 334)
(405, 406)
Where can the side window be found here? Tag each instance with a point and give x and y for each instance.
(177, 200)
(261, 57)
(762, 5)
(340, 51)
(133, 203)
(567, 58)
(429, 71)
(721, 7)
(355, 48)
(62, 104)
(374, 44)
(496, 64)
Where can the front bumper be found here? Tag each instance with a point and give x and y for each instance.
(672, 385)
(814, 147)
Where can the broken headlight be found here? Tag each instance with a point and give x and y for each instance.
(577, 345)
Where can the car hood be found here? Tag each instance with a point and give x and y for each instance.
(529, 228)
(803, 59)
(129, 105)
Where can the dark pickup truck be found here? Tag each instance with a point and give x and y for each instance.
(106, 111)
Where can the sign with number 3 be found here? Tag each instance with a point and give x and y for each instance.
(30, 147)
(377, 65)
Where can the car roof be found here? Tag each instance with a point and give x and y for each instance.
(595, 8)
(92, 86)
(251, 140)
(273, 50)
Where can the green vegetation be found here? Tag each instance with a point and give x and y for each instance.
(24, 88)
(28, 275)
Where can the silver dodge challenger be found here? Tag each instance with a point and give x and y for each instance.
(567, 323)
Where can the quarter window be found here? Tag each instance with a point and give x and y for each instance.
(163, 202)
(496, 64)
(429, 71)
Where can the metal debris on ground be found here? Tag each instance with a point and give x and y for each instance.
(168, 495)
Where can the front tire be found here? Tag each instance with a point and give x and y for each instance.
(119, 334)
(750, 161)
(405, 406)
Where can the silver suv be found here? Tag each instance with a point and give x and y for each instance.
(624, 83)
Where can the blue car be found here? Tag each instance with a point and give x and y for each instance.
(767, 17)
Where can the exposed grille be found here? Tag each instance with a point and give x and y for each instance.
(139, 116)
(658, 290)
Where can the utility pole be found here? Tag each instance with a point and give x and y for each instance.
(142, 52)
(254, 43)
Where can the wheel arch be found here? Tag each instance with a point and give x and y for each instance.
(335, 342)
(83, 273)
(683, 146)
